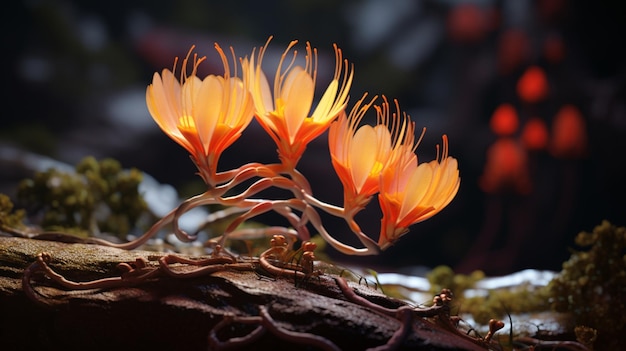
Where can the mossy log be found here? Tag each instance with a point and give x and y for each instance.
(167, 313)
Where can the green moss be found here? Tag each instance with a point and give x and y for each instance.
(9, 217)
(98, 197)
(443, 277)
(592, 284)
(494, 303)
(524, 298)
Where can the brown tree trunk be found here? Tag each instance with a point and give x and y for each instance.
(166, 313)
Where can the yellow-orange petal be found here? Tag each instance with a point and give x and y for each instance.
(362, 156)
(161, 105)
(326, 104)
(285, 112)
(297, 99)
(207, 108)
(413, 193)
(203, 115)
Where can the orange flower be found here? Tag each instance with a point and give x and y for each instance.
(285, 112)
(411, 193)
(360, 155)
(205, 116)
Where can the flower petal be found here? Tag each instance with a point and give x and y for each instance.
(298, 97)
(416, 188)
(362, 155)
(208, 108)
(326, 102)
(159, 106)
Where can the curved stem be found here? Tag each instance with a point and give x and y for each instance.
(370, 248)
(131, 277)
(253, 212)
(405, 316)
(241, 198)
(300, 180)
(235, 342)
(27, 287)
(219, 215)
(205, 198)
(326, 207)
(278, 271)
(164, 264)
(254, 233)
(262, 207)
(135, 243)
(296, 337)
(256, 210)
(297, 222)
(352, 296)
(228, 176)
(242, 176)
(348, 216)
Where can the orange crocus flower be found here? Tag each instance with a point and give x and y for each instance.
(411, 193)
(285, 112)
(205, 116)
(360, 155)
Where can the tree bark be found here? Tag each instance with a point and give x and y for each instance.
(166, 313)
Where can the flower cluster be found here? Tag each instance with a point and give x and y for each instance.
(206, 115)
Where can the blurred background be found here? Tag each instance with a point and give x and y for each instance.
(531, 94)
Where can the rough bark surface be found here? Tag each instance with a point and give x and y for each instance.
(168, 313)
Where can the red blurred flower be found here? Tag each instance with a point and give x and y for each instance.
(513, 50)
(532, 86)
(504, 121)
(569, 133)
(535, 134)
(506, 168)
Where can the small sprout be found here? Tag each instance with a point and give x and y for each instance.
(443, 298)
(277, 259)
(278, 241)
(494, 326)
